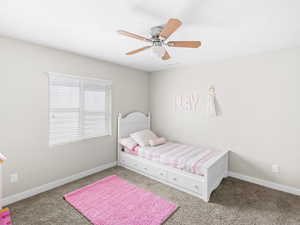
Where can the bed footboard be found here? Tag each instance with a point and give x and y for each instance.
(215, 171)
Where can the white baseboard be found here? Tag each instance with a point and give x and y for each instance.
(46, 187)
(265, 183)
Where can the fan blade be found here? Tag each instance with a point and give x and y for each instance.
(128, 34)
(170, 28)
(138, 50)
(184, 44)
(166, 56)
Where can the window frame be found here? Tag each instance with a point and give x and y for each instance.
(81, 110)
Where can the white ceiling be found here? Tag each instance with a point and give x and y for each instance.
(88, 27)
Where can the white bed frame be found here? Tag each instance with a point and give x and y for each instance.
(200, 186)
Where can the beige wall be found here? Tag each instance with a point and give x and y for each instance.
(259, 97)
(24, 113)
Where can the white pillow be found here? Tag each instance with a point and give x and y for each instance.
(143, 137)
(129, 142)
(157, 141)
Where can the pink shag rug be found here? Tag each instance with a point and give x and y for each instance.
(113, 201)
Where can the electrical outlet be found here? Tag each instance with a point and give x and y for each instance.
(14, 178)
(275, 168)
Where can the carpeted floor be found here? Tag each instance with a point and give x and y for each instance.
(234, 203)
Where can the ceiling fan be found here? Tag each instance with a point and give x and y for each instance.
(159, 35)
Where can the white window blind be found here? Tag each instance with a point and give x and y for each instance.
(79, 108)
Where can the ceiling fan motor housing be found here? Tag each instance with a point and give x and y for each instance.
(155, 31)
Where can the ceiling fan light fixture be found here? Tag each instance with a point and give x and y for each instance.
(158, 50)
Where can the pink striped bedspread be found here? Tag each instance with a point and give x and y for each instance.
(185, 157)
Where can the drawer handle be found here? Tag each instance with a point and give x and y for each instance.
(145, 168)
(161, 174)
(174, 179)
(196, 186)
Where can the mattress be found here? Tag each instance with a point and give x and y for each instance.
(185, 157)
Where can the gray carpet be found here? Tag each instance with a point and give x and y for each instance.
(234, 203)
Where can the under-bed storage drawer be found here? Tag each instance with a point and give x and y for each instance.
(186, 182)
(123, 161)
(154, 171)
(162, 174)
(128, 161)
(149, 169)
(134, 164)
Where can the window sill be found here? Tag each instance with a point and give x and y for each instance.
(78, 140)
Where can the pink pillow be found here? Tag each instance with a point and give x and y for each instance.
(128, 143)
(134, 151)
(157, 141)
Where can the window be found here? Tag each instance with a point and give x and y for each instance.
(79, 108)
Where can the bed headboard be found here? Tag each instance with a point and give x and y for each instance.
(131, 123)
